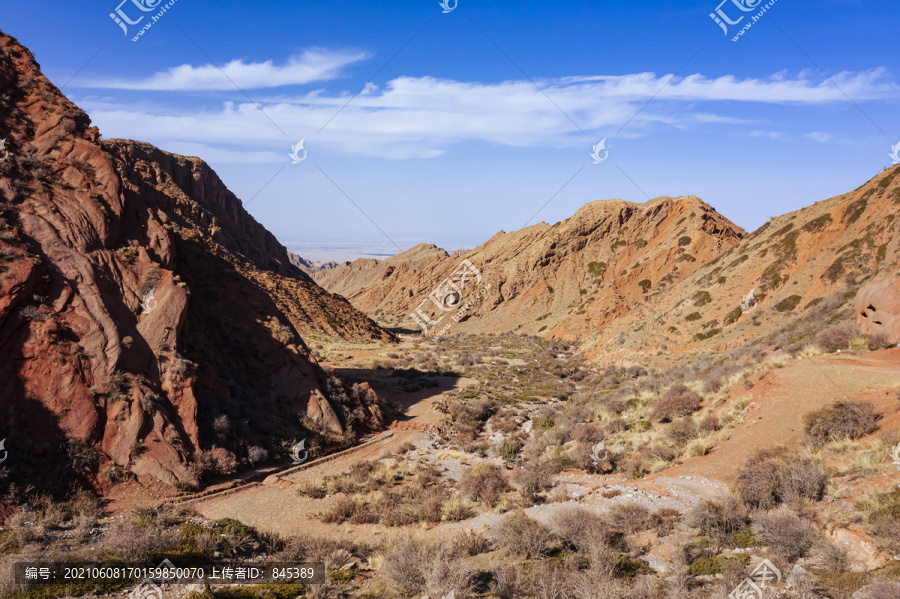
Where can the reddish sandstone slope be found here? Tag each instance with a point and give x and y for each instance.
(366, 276)
(792, 262)
(564, 280)
(90, 381)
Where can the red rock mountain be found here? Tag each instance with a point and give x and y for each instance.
(144, 314)
(564, 280)
(791, 264)
(666, 275)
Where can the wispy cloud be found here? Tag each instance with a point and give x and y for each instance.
(308, 67)
(818, 136)
(768, 134)
(419, 117)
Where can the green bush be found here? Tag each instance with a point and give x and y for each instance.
(597, 268)
(788, 303)
(693, 316)
(683, 241)
(733, 316)
(701, 298)
(711, 566)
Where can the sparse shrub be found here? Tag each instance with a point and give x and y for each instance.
(589, 433)
(878, 341)
(693, 316)
(684, 240)
(29, 313)
(584, 531)
(136, 542)
(665, 520)
(710, 423)
(544, 421)
(537, 476)
(774, 476)
(719, 521)
(484, 482)
(455, 509)
(150, 281)
(844, 419)
(257, 455)
(509, 449)
(786, 533)
(678, 401)
(417, 565)
(837, 337)
(222, 424)
(630, 518)
(880, 589)
(148, 404)
(341, 510)
(596, 269)
(213, 462)
(470, 543)
(521, 535)
(129, 255)
(788, 303)
(682, 431)
(701, 298)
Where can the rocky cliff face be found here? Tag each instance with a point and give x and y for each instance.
(144, 314)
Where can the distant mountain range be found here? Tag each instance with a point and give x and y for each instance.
(669, 274)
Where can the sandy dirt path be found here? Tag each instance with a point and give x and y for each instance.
(782, 398)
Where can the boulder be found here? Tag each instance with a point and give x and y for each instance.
(878, 308)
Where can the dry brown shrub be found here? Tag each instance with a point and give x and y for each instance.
(537, 476)
(844, 419)
(484, 482)
(678, 401)
(213, 462)
(521, 535)
(584, 531)
(341, 509)
(710, 423)
(786, 533)
(417, 565)
(719, 521)
(630, 518)
(665, 520)
(136, 542)
(837, 337)
(881, 589)
(773, 476)
(682, 431)
(591, 433)
(470, 543)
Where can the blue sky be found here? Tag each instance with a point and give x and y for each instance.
(472, 121)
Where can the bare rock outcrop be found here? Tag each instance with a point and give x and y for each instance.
(878, 308)
(144, 314)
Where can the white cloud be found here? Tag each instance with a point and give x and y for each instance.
(419, 117)
(818, 136)
(769, 134)
(307, 67)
